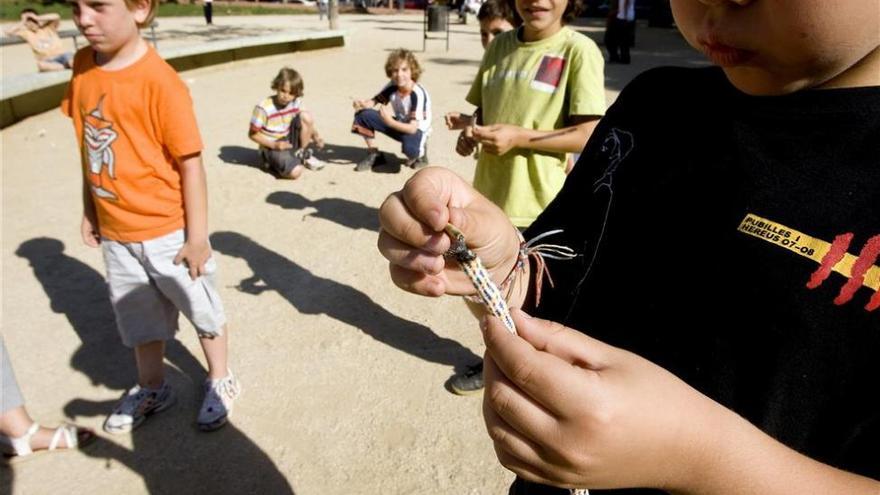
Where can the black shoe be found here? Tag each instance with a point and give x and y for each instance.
(373, 157)
(468, 382)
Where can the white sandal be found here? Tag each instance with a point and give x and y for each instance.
(15, 449)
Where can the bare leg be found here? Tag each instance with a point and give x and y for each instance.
(49, 66)
(15, 422)
(294, 173)
(217, 349)
(151, 369)
(307, 128)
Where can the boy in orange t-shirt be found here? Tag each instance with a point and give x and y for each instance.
(145, 204)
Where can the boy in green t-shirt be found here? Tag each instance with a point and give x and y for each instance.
(539, 94)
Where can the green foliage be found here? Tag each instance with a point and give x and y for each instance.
(10, 9)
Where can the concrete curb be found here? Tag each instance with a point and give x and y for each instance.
(23, 96)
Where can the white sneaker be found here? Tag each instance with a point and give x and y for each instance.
(217, 406)
(308, 159)
(134, 407)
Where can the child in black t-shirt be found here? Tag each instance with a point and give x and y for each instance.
(728, 237)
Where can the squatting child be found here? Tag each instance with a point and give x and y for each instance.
(401, 111)
(284, 129)
(145, 205)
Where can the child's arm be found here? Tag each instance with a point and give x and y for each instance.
(498, 139)
(51, 18)
(456, 121)
(196, 250)
(18, 26)
(264, 141)
(89, 225)
(362, 104)
(405, 127)
(631, 423)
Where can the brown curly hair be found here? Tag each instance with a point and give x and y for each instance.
(403, 55)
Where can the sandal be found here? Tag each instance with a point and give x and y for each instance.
(19, 448)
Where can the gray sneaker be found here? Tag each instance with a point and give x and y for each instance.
(374, 157)
(217, 406)
(311, 162)
(136, 405)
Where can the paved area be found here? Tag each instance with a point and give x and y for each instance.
(342, 373)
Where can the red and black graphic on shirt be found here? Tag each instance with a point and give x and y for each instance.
(865, 260)
(550, 70)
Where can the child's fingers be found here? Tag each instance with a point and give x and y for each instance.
(565, 343)
(546, 378)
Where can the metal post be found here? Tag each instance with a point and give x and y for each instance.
(447, 29)
(333, 15)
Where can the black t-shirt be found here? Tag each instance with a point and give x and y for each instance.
(702, 214)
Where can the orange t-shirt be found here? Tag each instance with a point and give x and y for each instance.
(133, 125)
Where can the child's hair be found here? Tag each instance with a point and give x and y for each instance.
(499, 9)
(403, 55)
(28, 10)
(290, 77)
(572, 10)
(154, 5)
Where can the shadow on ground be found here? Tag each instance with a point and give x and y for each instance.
(272, 271)
(240, 155)
(341, 211)
(168, 452)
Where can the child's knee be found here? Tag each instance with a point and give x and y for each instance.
(295, 172)
(306, 119)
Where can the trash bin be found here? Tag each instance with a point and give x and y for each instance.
(437, 18)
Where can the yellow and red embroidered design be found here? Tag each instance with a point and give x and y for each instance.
(831, 256)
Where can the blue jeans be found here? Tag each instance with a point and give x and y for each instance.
(368, 121)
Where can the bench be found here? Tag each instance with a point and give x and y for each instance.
(74, 33)
(30, 94)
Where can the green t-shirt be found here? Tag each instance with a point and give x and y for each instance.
(534, 85)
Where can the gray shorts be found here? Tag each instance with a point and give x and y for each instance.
(147, 290)
(282, 162)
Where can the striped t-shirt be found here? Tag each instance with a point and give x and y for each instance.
(415, 106)
(272, 122)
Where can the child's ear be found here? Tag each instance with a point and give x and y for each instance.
(141, 11)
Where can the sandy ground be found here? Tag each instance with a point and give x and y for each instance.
(343, 374)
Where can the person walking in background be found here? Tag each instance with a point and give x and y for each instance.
(145, 204)
(208, 9)
(620, 31)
